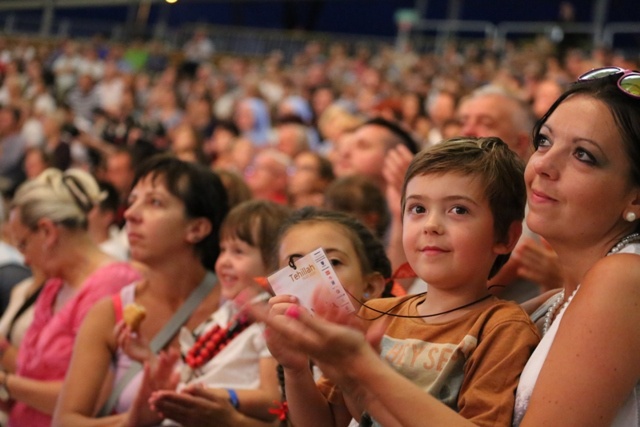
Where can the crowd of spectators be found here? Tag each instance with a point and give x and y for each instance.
(330, 128)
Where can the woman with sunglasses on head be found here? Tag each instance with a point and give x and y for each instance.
(48, 219)
(584, 197)
(583, 187)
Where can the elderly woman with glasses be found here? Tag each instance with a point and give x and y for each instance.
(583, 188)
(48, 218)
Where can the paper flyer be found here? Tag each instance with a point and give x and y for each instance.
(311, 271)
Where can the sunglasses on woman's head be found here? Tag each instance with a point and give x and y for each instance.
(629, 81)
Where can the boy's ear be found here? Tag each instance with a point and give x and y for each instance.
(513, 235)
(198, 229)
(374, 286)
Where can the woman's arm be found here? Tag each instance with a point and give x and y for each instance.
(8, 358)
(40, 395)
(592, 365)
(81, 396)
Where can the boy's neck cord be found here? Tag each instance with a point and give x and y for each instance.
(408, 316)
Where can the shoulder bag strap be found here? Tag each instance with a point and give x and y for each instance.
(162, 338)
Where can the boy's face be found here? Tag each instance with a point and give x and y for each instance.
(237, 265)
(448, 231)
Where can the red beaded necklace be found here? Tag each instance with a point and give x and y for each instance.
(215, 340)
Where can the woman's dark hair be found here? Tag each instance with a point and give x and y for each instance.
(624, 109)
(200, 190)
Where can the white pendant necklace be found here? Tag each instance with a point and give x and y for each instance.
(551, 312)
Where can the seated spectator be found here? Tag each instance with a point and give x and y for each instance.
(164, 106)
(12, 147)
(102, 224)
(173, 222)
(17, 318)
(252, 118)
(237, 189)
(110, 89)
(120, 171)
(49, 221)
(335, 121)
(365, 150)
(357, 196)
(186, 144)
(267, 175)
(55, 144)
(309, 178)
(197, 50)
(12, 268)
(200, 114)
(15, 321)
(544, 95)
(441, 107)
(219, 144)
(292, 138)
(83, 99)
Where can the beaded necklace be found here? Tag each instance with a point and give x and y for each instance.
(631, 238)
(549, 315)
(215, 340)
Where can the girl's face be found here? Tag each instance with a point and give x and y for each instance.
(237, 265)
(578, 180)
(156, 224)
(303, 238)
(448, 231)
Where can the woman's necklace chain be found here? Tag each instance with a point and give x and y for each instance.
(549, 315)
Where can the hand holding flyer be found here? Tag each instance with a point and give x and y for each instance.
(311, 271)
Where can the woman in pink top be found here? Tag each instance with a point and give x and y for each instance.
(49, 222)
